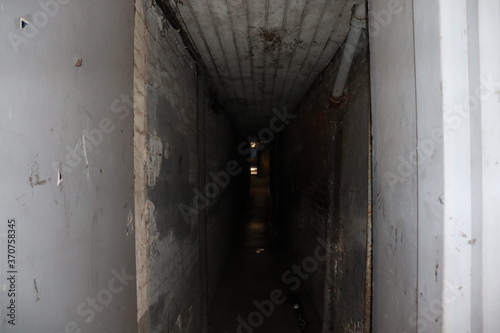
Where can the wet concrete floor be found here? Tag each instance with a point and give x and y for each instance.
(252, 296)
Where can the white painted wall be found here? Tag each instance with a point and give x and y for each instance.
(394, 176)
(457, 218)
(453, 95)
(427, 315)
(74, 234)
(489, 29)
(471, 107)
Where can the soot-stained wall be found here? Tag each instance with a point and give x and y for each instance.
(322, 192)
(185, 205)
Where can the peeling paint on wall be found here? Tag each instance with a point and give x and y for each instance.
(155, 155)
(130, 222)
(152, 234)
(185, 325)
(353, 327)
(34, 179)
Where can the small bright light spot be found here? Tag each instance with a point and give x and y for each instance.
(253, 170)
(253, 144)
(259, 251)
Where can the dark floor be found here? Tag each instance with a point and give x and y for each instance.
(254, 271)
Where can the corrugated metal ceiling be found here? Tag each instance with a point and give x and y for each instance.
(264, 54)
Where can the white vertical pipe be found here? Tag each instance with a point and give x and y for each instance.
(358, 22)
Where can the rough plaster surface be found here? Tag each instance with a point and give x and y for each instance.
(67, 167)
(334, 142)
(394, 206)
(168, 160)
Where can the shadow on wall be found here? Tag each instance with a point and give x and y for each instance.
(320, 189)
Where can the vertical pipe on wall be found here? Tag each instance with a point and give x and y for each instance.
(358, 22)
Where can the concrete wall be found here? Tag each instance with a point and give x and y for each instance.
(349, 228)
(182, 228)
(435, 104)
(303, 193)
(223, 213)
(485, 281)
(263, 164)
(394, 179)
(67, 166)
(322, 171)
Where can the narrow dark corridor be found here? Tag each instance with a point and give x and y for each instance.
(131, 129)
(253, 276)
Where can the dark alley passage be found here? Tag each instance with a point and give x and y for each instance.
(253, 276)
(250, 166)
